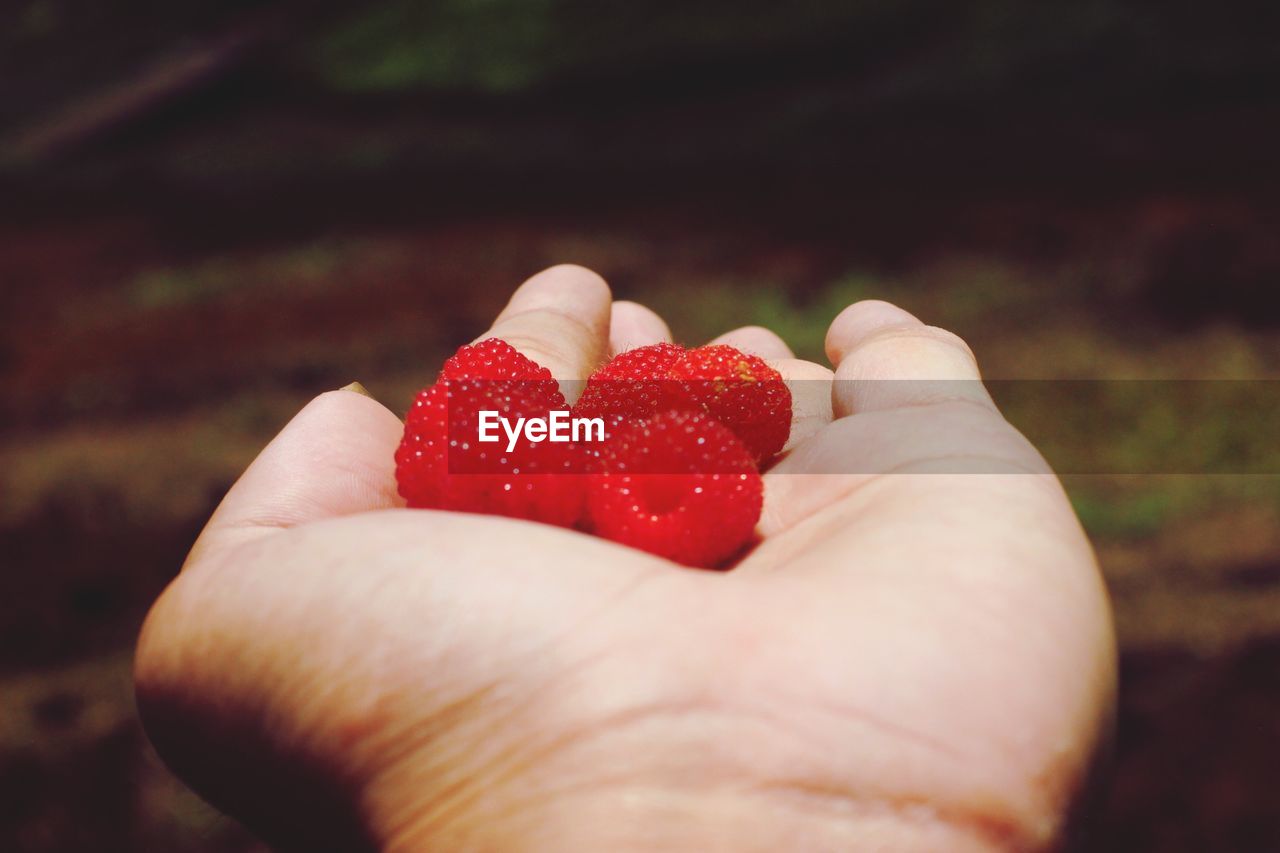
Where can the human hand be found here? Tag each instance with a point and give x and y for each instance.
(910, 659)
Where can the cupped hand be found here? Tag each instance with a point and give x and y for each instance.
(916, 656)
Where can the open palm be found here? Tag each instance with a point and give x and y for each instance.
(916, 656)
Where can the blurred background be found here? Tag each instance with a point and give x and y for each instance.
(211, 211)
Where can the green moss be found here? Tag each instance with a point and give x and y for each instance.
(1124, 517)
(490, 45)
(219, 277)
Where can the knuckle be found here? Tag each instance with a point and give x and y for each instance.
(918, 340)
(551, 353)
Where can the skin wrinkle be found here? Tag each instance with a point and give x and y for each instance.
(990, 830)
(863, 482)
(832, 800)
(641, 578)
(846, 513)
(941, 748)
(984, 403)
(1005, 453)
(1009, 442)
(530, 757)
(521, 760)
(745, 824)
(451, 775)
(310, 692)
(472, 786)
(1009, 466)
(982, 427)
(421, 741)
(465, 790)
(586, 328)
(909, 333)
(989, 827)
(554, 353)
(258, 551)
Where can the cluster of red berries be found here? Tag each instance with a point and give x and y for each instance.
(676, 472)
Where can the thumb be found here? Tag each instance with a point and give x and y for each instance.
(335, 458)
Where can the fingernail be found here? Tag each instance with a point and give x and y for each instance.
(357, 388)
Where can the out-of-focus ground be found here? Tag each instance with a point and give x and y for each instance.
(181, 268)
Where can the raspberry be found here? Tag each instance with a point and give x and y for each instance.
(631, 385)
(739, 390)
(440, 463)
(492, 358)
(679, 485)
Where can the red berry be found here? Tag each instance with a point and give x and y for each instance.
(492, 358)
(679, 485)
(739, 390)
(441, 464)
(631, 385)
(647, 362)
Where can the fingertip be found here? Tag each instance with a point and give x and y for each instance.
(566, 287)
(810, 387)
(888, 362)
(344, 410)
(335, 457)
(560, 319)
(756, 340)
(861, 320)
(632, 325)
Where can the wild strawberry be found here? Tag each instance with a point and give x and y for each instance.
(441, 464)
(631, 385)
(676, 484)
(492, 358)
(741, 392)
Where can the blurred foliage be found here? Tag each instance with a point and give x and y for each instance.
(1123, 517)
(700, 313)
(304, 267)
(976, 48)
(52, 51)
(493, 45)
(507, 45)
(1124, 509)
(1147, 426)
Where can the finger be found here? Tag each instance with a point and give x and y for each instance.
(632, 325)
(887, 359)
(560, 319)
(335, 458)
(756, 340)
(810, 387)
(834, 465)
